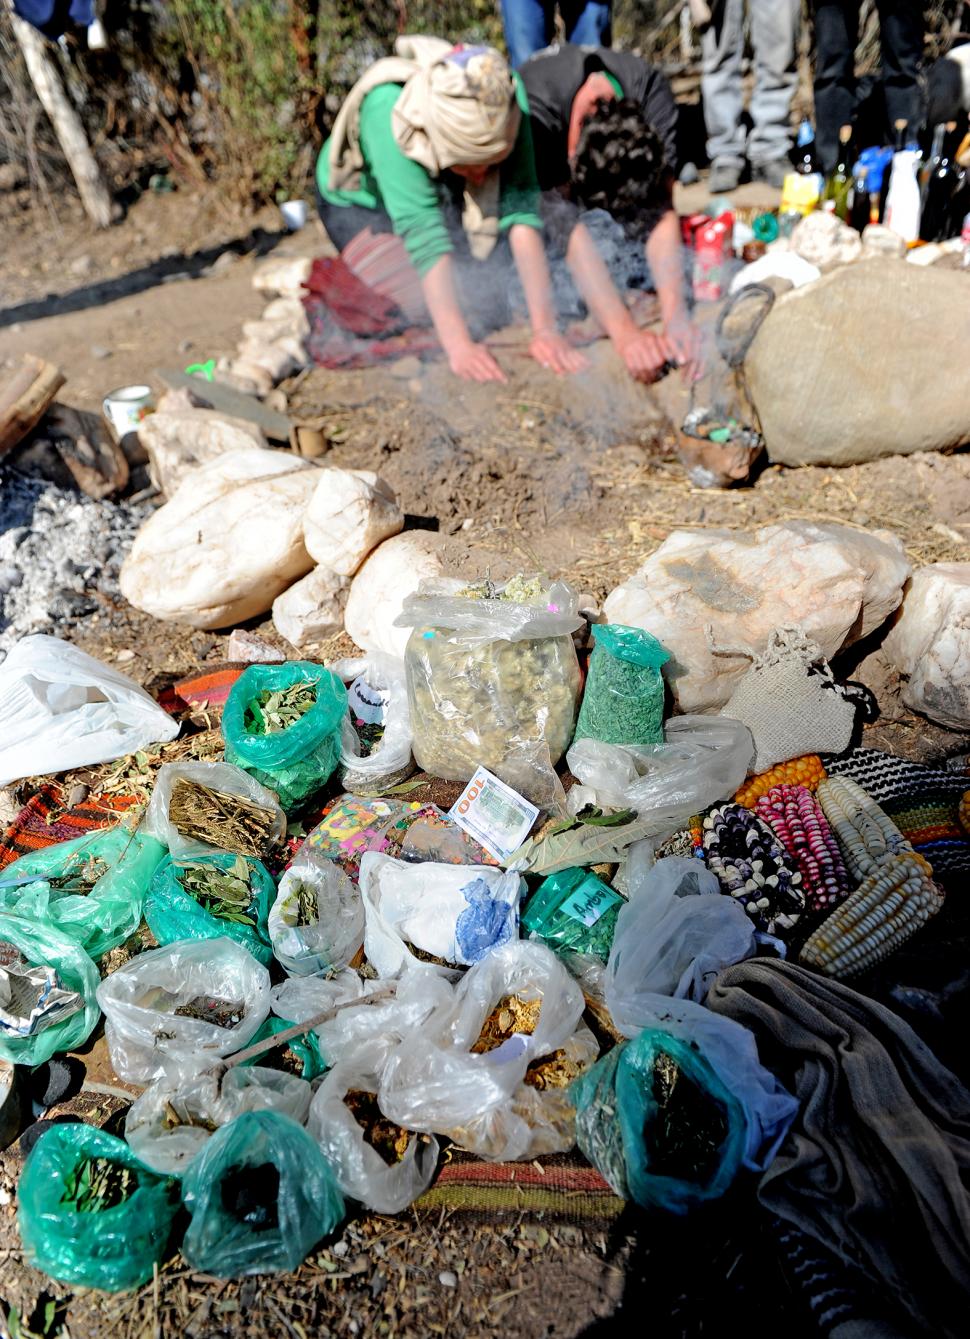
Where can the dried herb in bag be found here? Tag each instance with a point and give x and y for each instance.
(210, 896)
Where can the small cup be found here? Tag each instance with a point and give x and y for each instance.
(125, 408)
(294, 214)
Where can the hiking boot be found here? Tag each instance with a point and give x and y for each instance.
(772, 173)
(724, 177)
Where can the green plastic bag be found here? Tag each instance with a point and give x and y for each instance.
(623, 702)
(305, 1048)
(173, 914)
(261, 1195)
(573, 912)
(296, 761)
(102, 918)
(43, 946)
(661, 1155)
(114, 1248)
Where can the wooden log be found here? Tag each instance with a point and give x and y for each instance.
(24, 397)
(66, 122)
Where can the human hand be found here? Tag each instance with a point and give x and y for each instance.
(550, 349)
(645, 354)
(684, 347)
(473, 362)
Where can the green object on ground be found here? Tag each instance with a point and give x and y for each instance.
(573, 912)
(658, 1124)
(91, 888)
(297, 760)
(224, 908)
(68, 1176)
(260, 1195)
(624, 698)
(765, 227)
(42, 945)
(305, 1048)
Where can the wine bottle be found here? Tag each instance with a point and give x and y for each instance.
(835, 197)
(941, 186)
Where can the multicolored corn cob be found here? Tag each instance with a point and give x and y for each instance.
(796, 819)
(864, 831)
(963, 813)
(889, 906)
(753, 867)
(807, 771)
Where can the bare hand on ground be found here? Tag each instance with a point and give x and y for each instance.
(645, 355)
(683, 341)
(473, 362)
(552, 350)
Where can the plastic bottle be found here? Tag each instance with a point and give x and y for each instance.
(902, 213)
(802, 188)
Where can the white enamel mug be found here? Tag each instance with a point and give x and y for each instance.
(125, 408)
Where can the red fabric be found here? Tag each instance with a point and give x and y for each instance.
(45, 820)
(356, 306)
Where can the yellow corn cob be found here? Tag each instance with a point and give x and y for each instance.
(807, 772)
(864, 831)
(891, 904)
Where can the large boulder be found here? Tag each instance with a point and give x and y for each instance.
(312, 609)
(930, 643)
(712, 597)
(377, 592)
(869, 361)
(179, 441)
(348, 516)
(226, 544)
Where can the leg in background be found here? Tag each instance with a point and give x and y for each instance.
(901, 35)
(587, 22)
(529, 26)
(774, 37)
(836, 35)
(722, 44)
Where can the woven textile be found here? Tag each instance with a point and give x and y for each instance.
(45, 819)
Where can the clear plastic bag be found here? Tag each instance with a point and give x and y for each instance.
(43, 946)
(641, 1155)
(457, 913)
(389, 761)
(768, 1109)
(147, 1039)
(260, 1195)
(170, 1124)
(361, 1170)
(329, 942)
(705, 759)
(436, 1082)
(115, 1248)
(493, 682)
(102, 918)
(173, 914)
(297, 761)
(219, 776)
(623, 701)
(674, 936)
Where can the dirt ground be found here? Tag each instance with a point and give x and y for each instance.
(576, 476)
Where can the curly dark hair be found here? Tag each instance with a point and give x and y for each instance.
(620, 165)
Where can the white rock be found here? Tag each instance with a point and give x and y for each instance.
(776, 265)
(880, 241)
(348, 516)
(377, 592)
(251, 649)
(824, 240)
(280, 358)
(270, 328)
(713, 596)
(930, 642)
(313, 609)
(283, 275)
(244, 375)
(179, 441)
(226, 544)
(286, 309)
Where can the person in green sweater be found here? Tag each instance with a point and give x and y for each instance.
(429, 136)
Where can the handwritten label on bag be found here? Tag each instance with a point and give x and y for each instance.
(591, 900)
(497, 816)
(366, 703)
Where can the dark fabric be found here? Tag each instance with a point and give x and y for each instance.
(836, 92)
(530, 25)
(554, 77)
(54, 17)
(876, 1166)
(344, 222)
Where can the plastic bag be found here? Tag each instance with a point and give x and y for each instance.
(113, 1248)
(705, 759)
(375, 1028)
(147, 1039)
(305, 1050)
(518, 1005)
(573, 912)
(674, 1161)
(225, 779)
(384, 1184)
(101, 918)
(436, 839)
(455, 913)
(43, 946)
(60, 708)
(173, 914)
(377, 694)
(623, 701)
(353, 825)
(317, 891)
(768, 1109)
(261, 1195)
(674, 936)
(170, 1124)
(296, 761)
(493, 682)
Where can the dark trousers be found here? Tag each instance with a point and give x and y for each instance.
(836, 96)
